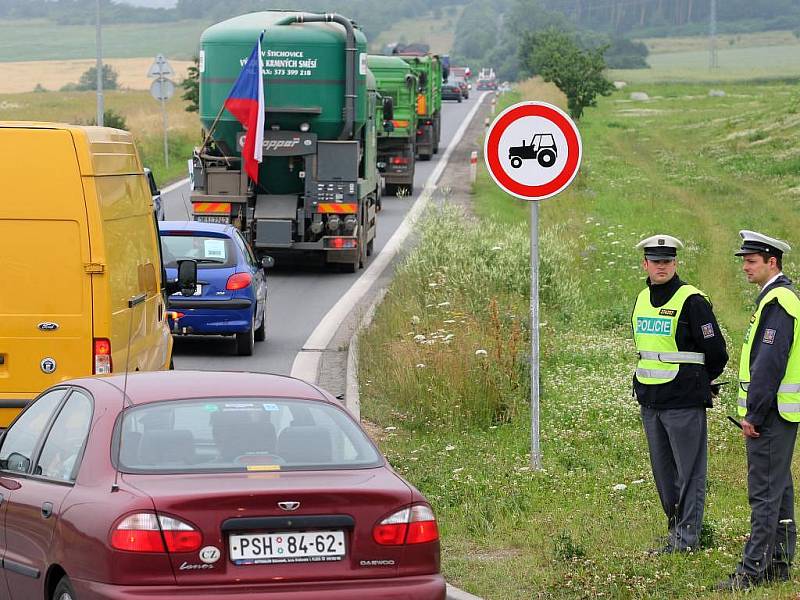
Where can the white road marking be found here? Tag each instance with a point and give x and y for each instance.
(306, 363)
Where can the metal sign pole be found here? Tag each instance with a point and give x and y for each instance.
(99, 69)
(164, 113)
(536, 453)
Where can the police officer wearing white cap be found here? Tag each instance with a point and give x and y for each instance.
(681, 350)
(769, 405)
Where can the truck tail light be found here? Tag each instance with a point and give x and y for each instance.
(399, 160)
(398, 123)
(340, 243)
(149, 532)
(102, 356)
(238, 281)
(413, 525)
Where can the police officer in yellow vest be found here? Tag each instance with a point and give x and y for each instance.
(769, 407)
(681, 350)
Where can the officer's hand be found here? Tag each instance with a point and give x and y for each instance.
(749, 430)
(715, 387)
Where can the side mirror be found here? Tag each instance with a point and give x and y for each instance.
(423, 81)
(267, 262)
(187, 277)
(388, 109)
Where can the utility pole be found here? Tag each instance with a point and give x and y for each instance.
(99, 68)
(713, 62)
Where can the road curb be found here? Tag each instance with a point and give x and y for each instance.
(453, 593)
(352, 398)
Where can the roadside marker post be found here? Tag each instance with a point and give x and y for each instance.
(162, 90)
(473, 166)
(533, 151)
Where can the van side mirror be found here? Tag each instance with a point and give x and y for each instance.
(388, 108)
(187, 277)
(267, 262)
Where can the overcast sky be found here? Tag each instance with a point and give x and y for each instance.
(152, 3)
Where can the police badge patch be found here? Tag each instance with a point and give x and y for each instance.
(769, 336)
(708, 330)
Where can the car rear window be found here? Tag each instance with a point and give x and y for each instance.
(209, 251)
(235, 434)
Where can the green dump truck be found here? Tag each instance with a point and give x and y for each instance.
(318, 187)
(428, 69)
(397, 137)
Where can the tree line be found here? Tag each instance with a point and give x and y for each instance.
(372, 17)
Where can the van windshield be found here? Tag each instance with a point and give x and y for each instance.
(241, 434)
(206, 250)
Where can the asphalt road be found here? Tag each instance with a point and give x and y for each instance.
(298, 299)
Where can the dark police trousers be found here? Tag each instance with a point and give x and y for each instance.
(677, 438)
(771, 494)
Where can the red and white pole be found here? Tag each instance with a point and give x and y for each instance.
(473, 166)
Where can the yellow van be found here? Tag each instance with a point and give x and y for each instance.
(80, 260)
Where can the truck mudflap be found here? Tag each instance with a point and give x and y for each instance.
(425, 141)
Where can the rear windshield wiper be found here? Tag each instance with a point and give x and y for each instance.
(209, 260)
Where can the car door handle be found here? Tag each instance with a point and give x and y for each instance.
(47, 509)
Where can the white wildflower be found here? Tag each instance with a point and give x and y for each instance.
(389, 428)
(481, 352)
(419, 338)
(421, 366)
(443, 304)
(637, 481)
(415, 320)
(620, 487)
(449, 447)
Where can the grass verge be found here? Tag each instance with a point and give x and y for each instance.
(444, 368)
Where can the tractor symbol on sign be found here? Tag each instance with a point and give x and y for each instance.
(542, 149)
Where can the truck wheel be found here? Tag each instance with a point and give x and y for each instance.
(245, 342)
(516, 162)
(424, 156)
(546, 158)
(261, 333)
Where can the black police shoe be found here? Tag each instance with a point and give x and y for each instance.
(778, 572)
(737, 582)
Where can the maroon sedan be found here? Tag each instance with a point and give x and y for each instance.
(205, 485)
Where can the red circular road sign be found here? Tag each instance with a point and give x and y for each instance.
(533, 150)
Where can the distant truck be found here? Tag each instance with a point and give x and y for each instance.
(318, 188)
(397, 128)
(487, 80)
(428, 70)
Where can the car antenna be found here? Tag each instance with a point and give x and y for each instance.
(132, 302)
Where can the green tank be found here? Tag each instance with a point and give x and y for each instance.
(428, 69)
(397, 134)
(318, 179)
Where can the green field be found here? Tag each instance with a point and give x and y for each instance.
(437, 33)
(43, 40)
(768, 55)
(142, 115)
(444, 368)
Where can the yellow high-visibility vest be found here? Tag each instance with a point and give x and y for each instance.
(789, 388)
(654, 331)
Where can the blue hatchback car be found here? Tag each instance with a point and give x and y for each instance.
(231, 295)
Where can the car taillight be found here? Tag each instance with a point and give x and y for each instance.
(413, 525)
(148, 532)
(399, 160)
(238, 281)
(102, 356)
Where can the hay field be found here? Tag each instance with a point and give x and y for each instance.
(726, 40)
(735, 64)
(20, 77)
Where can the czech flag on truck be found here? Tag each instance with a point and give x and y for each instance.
(246, 103)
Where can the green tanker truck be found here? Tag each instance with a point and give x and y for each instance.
(396, 137)
(318, 184)
(428, 69)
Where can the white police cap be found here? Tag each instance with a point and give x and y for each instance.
(660, 247)
(754, 242)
